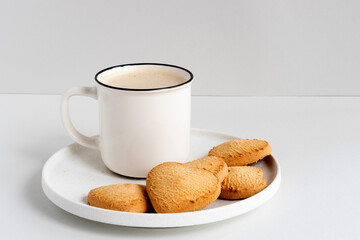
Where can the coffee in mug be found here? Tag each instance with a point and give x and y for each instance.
(143, 79)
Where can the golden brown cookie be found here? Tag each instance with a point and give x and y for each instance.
(175, 187)
(126, 197)
(240, 152)
(242, 182)
(213, 164)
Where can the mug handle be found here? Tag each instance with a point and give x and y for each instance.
(75, 134)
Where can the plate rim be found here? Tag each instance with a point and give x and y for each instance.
(198, 218)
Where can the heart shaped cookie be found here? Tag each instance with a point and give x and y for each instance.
(240, 152)
(213, 164)
(174, 187)
(242, 182)
(126, 197)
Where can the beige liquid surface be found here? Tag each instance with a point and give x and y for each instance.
(143, 79)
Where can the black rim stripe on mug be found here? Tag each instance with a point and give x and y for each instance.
(147, 89)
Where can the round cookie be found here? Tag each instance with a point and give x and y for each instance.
(242, 182)
(174, 188)
(240, 152)
(126, 197)
(213, 164)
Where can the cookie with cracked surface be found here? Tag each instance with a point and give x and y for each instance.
(126, 197)
(242, 182)
(241, 152)
(174, 188)
(213, 164)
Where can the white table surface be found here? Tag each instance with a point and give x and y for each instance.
(316, 140)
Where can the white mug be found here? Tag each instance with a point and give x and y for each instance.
(139, 128)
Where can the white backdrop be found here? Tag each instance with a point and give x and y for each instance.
(280, 47)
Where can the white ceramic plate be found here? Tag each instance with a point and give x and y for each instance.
(73, 171)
